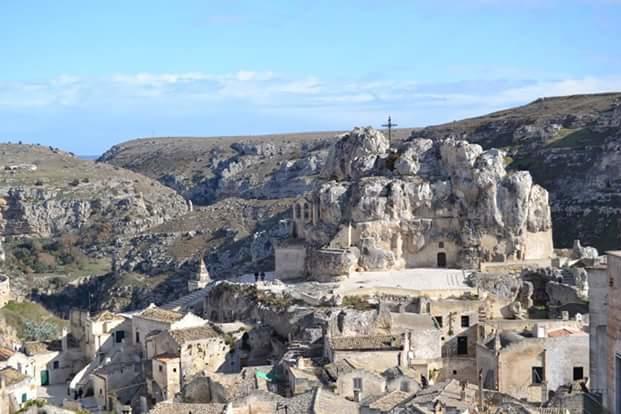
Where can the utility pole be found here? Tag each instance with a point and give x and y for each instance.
(389, 125)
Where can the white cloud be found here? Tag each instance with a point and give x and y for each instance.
(275, 93)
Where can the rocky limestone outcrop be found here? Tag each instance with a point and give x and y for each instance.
(354, 154)
(44, 212)
(402, 201)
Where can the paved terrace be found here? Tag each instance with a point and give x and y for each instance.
(432, 282)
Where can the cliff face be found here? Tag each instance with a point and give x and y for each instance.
(54, 193)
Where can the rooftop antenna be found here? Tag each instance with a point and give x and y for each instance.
(389, 125)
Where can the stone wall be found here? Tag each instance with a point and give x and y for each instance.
(515, 364)
(563, 354)
(614, 331)
(598, 319)
(290, 261)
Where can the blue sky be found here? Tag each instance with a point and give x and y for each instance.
(86, 75)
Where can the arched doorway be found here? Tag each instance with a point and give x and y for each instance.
(441, 259)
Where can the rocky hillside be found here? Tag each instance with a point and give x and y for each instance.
(571, 146)
(61, 217)
(205, 170)
(45, 192)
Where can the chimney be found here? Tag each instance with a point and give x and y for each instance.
(300, 363)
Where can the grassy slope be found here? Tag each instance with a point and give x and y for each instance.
(16, 314)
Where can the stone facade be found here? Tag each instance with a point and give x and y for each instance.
(598, 320)
(528, 367)
(614, 332)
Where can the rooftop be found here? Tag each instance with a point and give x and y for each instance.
(616, 253)
(327, 402)
(160, 315)
(449, 393)
(11, 376)
(166, 357)
(183, 408)
(391, 400)
(182, 336)
(565, 332)
(107, 316)
(366, 343)
(5, 354)
(34, 348)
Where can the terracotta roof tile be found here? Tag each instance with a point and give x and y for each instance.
(5, 354)
(366, 343)
(11, 376)
(182, 336)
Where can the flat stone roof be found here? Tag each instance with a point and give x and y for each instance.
(616, 253)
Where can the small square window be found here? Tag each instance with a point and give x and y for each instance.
(160, 367)
(441, 245)
(438, 320)
(56, 365)
(465, 321)
(578, 373)
(174, 369)
(537, 373)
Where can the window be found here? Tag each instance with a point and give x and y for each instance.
(119, 336)
(175, 369)
(298, 211)
(56, 365)
(438, 320)
(137, 337)
(441, 245)
(358, 384)
(578, 373)
(24, 397)
(537, 375)
(462, 345)
(465, 321)
(454, 372)
(160, 367)
(100, 391)
(306, 211)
